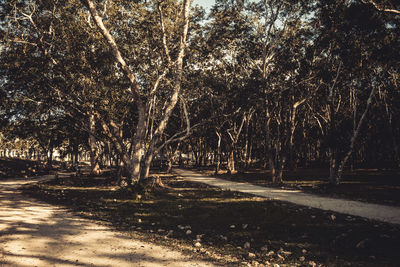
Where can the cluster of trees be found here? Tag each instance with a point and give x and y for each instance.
(277, 84)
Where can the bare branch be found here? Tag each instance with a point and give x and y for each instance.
(376, 6)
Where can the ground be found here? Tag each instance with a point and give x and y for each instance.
(367, 185)
(226, 227)
(34, 233)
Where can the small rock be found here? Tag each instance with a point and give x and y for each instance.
(251, 255)
(246, 245)
(139, 220)
(276, 265)
(255, 263)
(188, 232)
(181, 227)
(270, 253)
(313, 217)
(287, 253)
(153, 224)
(304, 251)
(197, 244)
(188, 227)
(233, 226)
(160, 230)
(333, 217)
(244, 226)
(280, 257)
(223, 237)
(302, 258)
(198, 237)
(264, 248)
(362, 243)
(312, 263)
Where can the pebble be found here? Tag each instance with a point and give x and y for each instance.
(270, 253)
(312, 263)
(304, 251)
(252, 255)
(287, 253)
(302, 258)
(233, 226)
(188, 232)
(246, 245)
(244, 226)
(362, 243)
(197, 244)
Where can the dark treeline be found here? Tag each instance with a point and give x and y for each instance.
(268, 84)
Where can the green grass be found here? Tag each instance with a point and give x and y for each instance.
(211, 212)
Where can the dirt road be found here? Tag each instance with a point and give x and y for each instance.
(34, 233)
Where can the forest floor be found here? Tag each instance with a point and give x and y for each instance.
(220, 226)
(378, 212)
(34, 233)
(12, 167)
(366, 185)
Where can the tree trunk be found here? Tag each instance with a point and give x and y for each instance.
(231, 162)
(94, 158)
(218, 156)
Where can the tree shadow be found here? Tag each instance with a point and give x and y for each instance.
(34, 233)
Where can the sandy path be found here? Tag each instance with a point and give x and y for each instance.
(34, 233)
(371, 211)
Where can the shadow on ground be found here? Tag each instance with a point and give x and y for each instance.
(38, 234)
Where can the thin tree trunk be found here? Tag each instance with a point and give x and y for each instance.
(94, 158)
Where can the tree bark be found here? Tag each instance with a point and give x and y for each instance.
(94, 158)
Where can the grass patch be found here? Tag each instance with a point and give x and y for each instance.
(229, 225)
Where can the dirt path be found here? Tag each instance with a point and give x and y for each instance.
(371, 211)
(34, 233)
